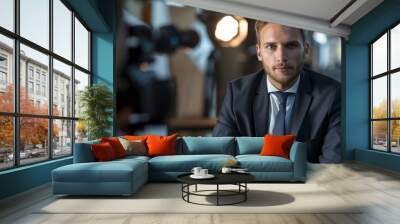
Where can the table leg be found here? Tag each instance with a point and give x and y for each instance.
(196, 188)
(182, 189)
(217, 194)
(245, 191)
(188, 189)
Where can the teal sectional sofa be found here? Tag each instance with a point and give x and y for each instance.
(125, 176)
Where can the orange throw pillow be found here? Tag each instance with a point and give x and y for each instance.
(116, 145)
(275, 145)
(161, 145)
(103, 151)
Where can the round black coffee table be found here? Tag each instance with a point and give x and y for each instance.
(238, 179)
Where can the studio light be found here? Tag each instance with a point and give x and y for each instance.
(231, 31)
(320, 38)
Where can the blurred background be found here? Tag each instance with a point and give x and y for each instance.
(173, 64)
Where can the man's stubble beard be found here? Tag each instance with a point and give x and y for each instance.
(287, 80)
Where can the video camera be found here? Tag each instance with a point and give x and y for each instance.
(143, 43)
(146, 98)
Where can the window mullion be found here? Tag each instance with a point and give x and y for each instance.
(16, 69)
(389, 106)
(371, 98)
(73, 83)
(50, 81)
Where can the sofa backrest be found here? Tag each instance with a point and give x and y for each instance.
(190, 146)
(249, 145)
(83, 152)
(206, 145)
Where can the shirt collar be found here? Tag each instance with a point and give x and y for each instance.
(292, 89)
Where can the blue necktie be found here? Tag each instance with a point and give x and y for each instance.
(280, 127)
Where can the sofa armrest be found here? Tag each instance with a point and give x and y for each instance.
(298, 155)
(83, 152)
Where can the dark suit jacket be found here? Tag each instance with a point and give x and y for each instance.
(315, 116)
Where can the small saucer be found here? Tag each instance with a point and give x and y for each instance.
(208, 176)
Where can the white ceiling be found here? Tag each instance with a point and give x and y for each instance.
(316, 15)
(313, 8)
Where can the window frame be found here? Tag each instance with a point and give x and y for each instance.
(388, 74)
(16, 114)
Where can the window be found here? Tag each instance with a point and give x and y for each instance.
(62, 75)
(34, 22)
(62, 31)
(33, 149)
(30, 87)
(81, 81)
(3, 61)
(54, 126)
(3, 78)
(62, 140)
(43, 90)
(38, 89)
(81, 45)
(30, 72)
(3, 72)
(6, 142)
(6, 72)
(38, 74)
(7, 14)
(384, 91)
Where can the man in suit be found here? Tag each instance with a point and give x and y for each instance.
(284, 98)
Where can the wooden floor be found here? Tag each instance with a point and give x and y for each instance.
(378, 188)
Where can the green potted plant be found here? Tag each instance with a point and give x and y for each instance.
(96, 103)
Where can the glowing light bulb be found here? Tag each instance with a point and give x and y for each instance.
(321, 38)
(227, 28)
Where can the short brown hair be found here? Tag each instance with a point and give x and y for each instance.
(260, 24)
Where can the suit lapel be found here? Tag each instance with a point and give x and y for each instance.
(302, 103)
(261, 107)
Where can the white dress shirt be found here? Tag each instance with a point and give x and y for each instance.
(274, 103)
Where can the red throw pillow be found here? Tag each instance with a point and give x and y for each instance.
(275, 145)
(116, 145)
(161, 145)
(103, 151)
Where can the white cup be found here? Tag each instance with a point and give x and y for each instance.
(203, 172)
(196, 170)
(226, 170)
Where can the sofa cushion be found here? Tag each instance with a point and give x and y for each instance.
(257, 163)
(132, 158)
(83, 152)
(249, 145)
(185, 163)
(208, 145)
(161, 145)
(103, 152)
(116, 145)
(111, 171)
(277, 145)
(134, 147)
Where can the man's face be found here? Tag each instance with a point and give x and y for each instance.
(282, 52)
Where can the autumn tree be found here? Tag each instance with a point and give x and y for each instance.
(6, 122)
(33, 131)
(380, 127)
